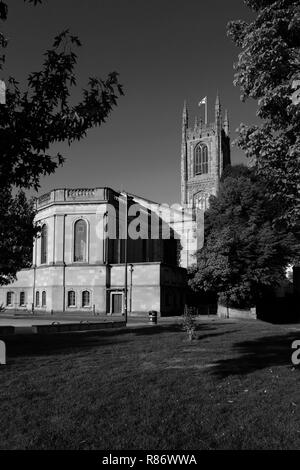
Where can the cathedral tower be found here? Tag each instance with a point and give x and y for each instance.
(205, 151)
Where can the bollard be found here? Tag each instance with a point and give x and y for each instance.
(2, 353)
(153, 317)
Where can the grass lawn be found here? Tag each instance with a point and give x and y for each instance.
(149, 388)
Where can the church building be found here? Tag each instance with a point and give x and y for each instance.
(80, 257)
(79, 265)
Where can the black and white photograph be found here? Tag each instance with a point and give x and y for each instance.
(149, 230)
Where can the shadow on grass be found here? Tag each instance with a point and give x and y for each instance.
(173, 328)
(258, 354)
(73, 342)
(200, 337)
(154, 330)
(63, 343)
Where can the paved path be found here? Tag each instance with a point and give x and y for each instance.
(23, 323)
(43, 321)
(29, 320)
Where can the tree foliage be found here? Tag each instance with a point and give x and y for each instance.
(243, 254)
(32, 120)
(16, 234)
(266, 70)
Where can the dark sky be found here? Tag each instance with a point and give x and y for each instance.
(165, 51)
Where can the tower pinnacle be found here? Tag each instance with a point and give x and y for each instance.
(185, 115)
(218, 105)
(226, 123)
(196, 122)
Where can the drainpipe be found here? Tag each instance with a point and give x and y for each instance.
(34, 274)
(105, 261)
(64, 267)
(130, 291)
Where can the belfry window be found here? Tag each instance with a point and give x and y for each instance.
(80, 237)
(44, 243)
(201, 160)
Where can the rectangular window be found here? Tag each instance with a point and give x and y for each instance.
(22, 298)
(80, 241)
(43, 299)
(85, 298)
(9, 299)
(71, 298)
(44, 242)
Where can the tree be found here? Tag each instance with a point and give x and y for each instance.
(16, 234)
(32, 120)
(267, 70)
(243, 254)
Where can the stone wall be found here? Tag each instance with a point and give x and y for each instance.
(60, 221)
(151, 286)
(24, 283)
(227, 312)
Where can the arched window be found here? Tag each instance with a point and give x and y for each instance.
(85, 298)
(80, 236)
(44, 298)
(37, 299)
(9, 299)
(201, 160)
(205, 159)
(22, 298)
(44, 243)
(71, 298)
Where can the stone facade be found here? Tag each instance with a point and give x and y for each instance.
(200, 181)
(89, 275)
(60, 282)
(228, 312)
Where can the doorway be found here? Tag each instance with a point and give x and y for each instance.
(116, 302)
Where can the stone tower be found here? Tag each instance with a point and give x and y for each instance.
(205, 152)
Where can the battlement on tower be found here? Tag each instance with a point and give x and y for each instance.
(201, 130)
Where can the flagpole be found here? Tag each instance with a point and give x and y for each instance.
(204, 101)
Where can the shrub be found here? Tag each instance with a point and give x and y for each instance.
(189, 322)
